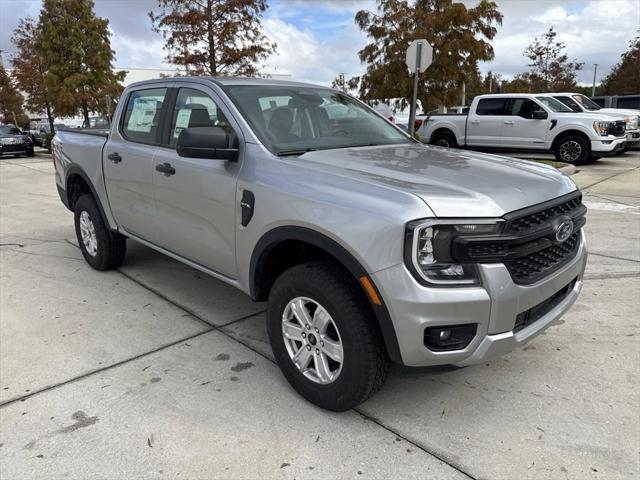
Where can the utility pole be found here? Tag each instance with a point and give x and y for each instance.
(490, 82)
(464, 94)
(595, 71)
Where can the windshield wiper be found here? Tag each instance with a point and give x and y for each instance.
(299, 151)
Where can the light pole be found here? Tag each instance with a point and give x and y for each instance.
(595, 71)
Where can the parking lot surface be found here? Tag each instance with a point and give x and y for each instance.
(158, 371)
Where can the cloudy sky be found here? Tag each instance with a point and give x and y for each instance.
(317, 39)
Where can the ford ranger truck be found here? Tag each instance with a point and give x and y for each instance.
(368, 246)
(581, 103)
(527, 122)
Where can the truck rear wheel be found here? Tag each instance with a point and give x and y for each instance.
(101, 248)
(323, 338)
(444, 139)
(572, 149)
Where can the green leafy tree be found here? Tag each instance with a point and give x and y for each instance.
(624, 78)
(29, 68)
(551, 70)
(459, 36)
(11, 100)
(213, 37)
(75, 44)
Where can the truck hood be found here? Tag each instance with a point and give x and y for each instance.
(453, 183)
(618, 111)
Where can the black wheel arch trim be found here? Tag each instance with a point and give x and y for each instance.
(76, 170)
(278, 234)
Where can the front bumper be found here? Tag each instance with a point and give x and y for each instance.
(608, 146)
(15, 149)
(493, 307)
(633, 137)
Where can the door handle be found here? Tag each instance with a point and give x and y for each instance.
(165, 168)
(114, 157)
(509, 122)
(475, 122)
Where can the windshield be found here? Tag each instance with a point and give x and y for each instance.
(569, 102)
(586, 102)
(290, 119)
(9, 130)
(554, 105)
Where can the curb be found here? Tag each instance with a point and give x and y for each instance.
(569, 169)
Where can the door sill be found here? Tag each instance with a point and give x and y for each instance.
(219, 276)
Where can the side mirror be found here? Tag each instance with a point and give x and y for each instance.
(213, 143)
(539, 115)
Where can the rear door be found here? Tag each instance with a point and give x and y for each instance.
(485, 124)
(521, 130)
(196, 204)
(128, 161)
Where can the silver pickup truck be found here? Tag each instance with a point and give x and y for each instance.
(368, 246)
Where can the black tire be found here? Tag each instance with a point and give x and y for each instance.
(110, 246)
(572, 149)
(444, 139)
(31, 153)
(365, 361)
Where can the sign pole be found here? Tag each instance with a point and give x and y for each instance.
(414, 100)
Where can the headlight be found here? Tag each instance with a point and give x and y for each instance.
(631, 121)
(602, 128)
(427, 250)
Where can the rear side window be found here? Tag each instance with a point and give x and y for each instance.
(142, 116)
(491, 106)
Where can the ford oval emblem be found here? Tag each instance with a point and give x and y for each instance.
(564, 231)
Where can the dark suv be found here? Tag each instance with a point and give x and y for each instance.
(14, 142)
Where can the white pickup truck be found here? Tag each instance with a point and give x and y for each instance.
(527, 122)
(580, 103)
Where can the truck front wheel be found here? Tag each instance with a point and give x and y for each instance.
(101, 248)
(572, 149)
(323, 338)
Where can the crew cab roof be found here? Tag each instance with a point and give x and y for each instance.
(226, 81)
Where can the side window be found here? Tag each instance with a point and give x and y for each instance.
(195, 109)
(629, 102)
(491, 106)
(522, 107)
(141, 118)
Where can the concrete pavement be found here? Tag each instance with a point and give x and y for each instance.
(157, 371)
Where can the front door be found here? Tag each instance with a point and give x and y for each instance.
(128, 161)
(196, 204)
(520, 129)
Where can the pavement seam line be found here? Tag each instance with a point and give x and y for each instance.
(611, 275)
(609, 178)
(367, 417)
(100, 370)
(454, 466)
(613, 257)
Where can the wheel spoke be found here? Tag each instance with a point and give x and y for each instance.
(301, 313)
(322, 368)
(292, 331)
(332, 348)
(321, 319)
(301, 358)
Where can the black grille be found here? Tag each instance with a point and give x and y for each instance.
(535, 266)
(618, 128)
(534, 314)
(528, 244)
(534, 221)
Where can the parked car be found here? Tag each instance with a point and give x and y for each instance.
(39, 130)
(618, 101)
(368, 246)
(580, 103)
(14, 142)
(528, 122)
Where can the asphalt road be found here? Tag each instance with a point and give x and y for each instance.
(157, 371)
